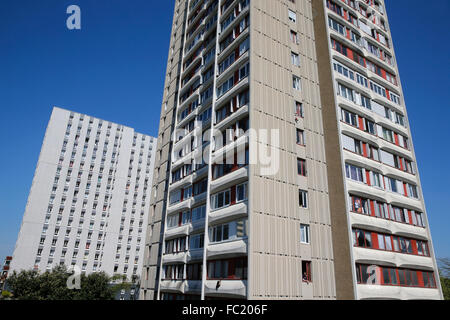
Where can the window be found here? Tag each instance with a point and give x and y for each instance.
(244, 71)
(296, 83)
(301, 167)
(200, 187)
(306, 271)
(194, 271)
(242, 192)
(292, 16)
(338, 67)
(219, 233)
(345, 92)
(175, 197)
(298, 110)
(220, 200)
(303, 199)
(244, 46)
(396, 277)
(229, 231)
(294, 37)
(196, 241)
(301, 137)
(228, 269)
(354, 173)
(333, 24)
(295, 59)
(304, 233)
(198, 213)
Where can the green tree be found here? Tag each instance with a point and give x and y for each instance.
(95, 286)
(6, 295)
(52, 285)
(25, 285)
(120, 282)
(444, 273)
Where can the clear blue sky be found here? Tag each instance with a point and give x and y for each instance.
(114, 69)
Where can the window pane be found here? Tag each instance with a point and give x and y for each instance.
(386, 277)
(393, 275)
(368, 236)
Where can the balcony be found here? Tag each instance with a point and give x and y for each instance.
(188, 68)
(233, 212)
(193, 95)
(194, 76)
(179, 257)
(227, 249)
(232, 118)
(187, 204)
(230, 179)
(236, 21)
(176, 286)
(234, 43)
(194, 255)
(177, 232)
(241, 60)
(227, 289)
(186, 181)
(387, 226)
(195, 44)
(374, 165)
(394, 198)
(377, 292)
(392, 259)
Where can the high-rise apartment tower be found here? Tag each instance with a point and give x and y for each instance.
(89, 201)
(285, 167)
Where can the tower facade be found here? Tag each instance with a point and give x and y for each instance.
(284, 165)
(89, 201)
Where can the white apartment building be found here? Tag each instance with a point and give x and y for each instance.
(346, 203)
(89, 199)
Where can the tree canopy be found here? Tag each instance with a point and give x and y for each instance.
(444, 272)
(52, 285)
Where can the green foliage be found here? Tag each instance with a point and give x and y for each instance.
(96, 286)
(6, 295)
(31, 285)
(445, 283)
(444, 271)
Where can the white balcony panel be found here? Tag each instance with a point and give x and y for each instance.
(387, 258)
(184, 205)
(375, 292)
(227, 288)
(229, 179)
(230, 213)
(391, 227)
(227, 249)
(237, 115)
(177, 232)
(238, 144)
(176, 286)
(175, 258)
(388, 196)
(234, 67)
(186, 181)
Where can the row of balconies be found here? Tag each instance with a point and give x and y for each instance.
(213, 288)
(222, 250)
(371, 113)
